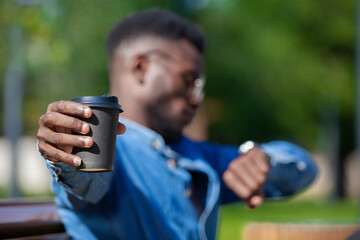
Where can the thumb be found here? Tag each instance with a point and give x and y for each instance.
(254, 201)
(121, 129)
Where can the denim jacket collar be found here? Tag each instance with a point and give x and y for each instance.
(150, 138)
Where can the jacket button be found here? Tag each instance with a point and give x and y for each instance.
(187, 192)
(171, 163)
(301, 166)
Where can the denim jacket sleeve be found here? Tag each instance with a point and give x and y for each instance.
(90, 187)
(292, 169)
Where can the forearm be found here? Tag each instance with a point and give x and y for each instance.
(90, 187)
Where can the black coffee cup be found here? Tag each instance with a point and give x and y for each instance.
(103, 129)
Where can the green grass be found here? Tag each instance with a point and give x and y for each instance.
(234, 217)
(4, 194)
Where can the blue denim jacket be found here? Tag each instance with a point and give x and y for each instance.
(148, 194)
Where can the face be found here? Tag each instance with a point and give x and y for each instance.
(172, 75)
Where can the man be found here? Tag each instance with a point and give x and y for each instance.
(164, 185)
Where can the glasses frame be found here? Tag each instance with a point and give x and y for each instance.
(199, 83)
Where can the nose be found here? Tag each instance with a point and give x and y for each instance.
(195, 101)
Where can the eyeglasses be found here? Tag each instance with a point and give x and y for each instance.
(197, 91)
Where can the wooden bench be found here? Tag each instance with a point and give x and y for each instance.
(27, 219)
(293, 231)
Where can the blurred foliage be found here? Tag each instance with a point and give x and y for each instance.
(272, 66)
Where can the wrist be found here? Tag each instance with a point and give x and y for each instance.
(248, 145)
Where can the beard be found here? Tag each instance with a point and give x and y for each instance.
(160, 121)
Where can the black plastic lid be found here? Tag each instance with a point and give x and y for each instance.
(99, 101)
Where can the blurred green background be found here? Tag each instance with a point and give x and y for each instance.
(272, 67)
(275, 70)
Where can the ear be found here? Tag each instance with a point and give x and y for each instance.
(139, 67)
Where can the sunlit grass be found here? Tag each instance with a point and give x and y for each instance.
(235, 216)
(4, 194)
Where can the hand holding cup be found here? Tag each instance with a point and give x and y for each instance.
(57, 129)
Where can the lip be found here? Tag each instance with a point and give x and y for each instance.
(188, 115)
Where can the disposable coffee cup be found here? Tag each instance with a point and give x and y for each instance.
(103, 129)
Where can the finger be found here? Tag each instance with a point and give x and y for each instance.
(254, 201)
(51, 159)
(62, 130)
(71, 108)
(260, 158)
(257, 175)
(59, 139)
(242, 173)
(56, 155)
(121, 129)
(241, 168)
(65, 148)
(237, 186)
(64, 123)
(262, 162)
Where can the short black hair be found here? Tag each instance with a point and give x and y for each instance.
(155, 22)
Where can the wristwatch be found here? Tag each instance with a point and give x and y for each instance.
(246, 146)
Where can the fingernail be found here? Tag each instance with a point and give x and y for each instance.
(87, 141)
(77, 161)
(84, 128)
(86, 112)
(83, 140)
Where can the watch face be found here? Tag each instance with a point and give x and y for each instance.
(246, 146)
